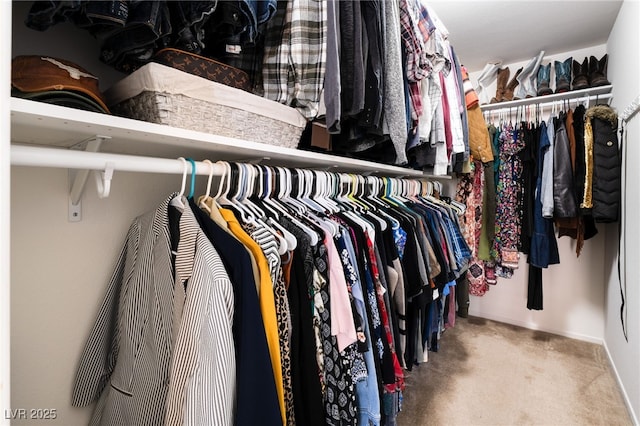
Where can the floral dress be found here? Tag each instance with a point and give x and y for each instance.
(469, 192)
(508, 203)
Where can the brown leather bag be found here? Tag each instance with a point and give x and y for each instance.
(203, 67)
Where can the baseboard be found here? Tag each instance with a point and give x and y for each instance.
(533, 326)
(627, 401)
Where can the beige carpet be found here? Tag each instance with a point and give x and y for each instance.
(491, 373)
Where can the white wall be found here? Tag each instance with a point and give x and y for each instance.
(573, 290)
(624, 70)
(5, 67)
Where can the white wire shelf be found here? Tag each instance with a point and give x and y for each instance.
(591, 94)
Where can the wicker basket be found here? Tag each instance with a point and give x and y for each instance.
(207, 107)
(194, 114)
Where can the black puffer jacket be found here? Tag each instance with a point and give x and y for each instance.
(606, 163)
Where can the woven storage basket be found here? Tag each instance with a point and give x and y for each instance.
(194, 114)
(232, 112)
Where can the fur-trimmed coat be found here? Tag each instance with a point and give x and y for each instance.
(603, 164)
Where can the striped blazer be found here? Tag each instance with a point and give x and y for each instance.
(126, 365)
(203, 367)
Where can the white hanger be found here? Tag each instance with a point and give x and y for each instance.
(224, 198)
(266, 196)
(177, 200)
(346, 197)
(376, 184)
(326, 188)
(285, 196)
(264, 188)
(277, 210)
(249, 174)
(371, 210)
(225, 186)
(373, 183)
(202, 204)
(299, 207)
(249, 177)
(305, 186)
(292, 241)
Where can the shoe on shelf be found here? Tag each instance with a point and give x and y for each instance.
(503, 78)
(598, 71)
(544, 80)
(488, 75)
(563, 75)
(508, 91)
(580, 75)
(526, 79)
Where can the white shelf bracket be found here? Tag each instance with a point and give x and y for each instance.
(79, 180)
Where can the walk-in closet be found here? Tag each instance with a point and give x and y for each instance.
(309, 212)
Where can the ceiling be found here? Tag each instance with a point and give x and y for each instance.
(514, 31)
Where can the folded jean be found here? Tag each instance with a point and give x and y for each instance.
(44, 14)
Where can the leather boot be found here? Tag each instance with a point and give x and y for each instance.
(544, 80)
(563, 75)
(580, 75)
(598, 71)
(503, 78)
(508, 91)
(487, 77)
(526, 88)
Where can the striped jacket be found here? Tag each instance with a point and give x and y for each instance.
(127, 366)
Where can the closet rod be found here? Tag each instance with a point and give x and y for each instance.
(71, 159)
(543, 105)
(23, 155)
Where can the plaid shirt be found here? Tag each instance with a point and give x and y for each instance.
(425, 24)
(416, 29)
(295, 55)
(460, 248)
(412, 40)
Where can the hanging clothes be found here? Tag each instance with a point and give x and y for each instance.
(564, 202)
(256, 395)
(368, 287)
(137, 394)
(205, 320)
(529, 159)
(544, 249)
(307, 383)
(470, 193)
(295, 55)
(508, 203)
(606, 177)
(394, 120)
